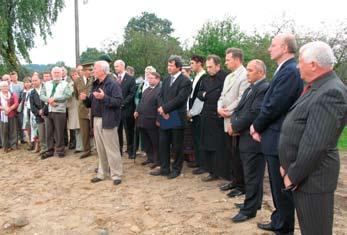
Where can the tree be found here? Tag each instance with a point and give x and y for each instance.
(90, 55)
(216, 37)
(20, 21)
(148, 41)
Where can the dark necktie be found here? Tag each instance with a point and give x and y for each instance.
(250, 88)
(55, 84)
(306, 89)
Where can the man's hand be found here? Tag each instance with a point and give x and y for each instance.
(136, 115)
(223, 112)
(54, 104)
(99, 95)
(282, 171)
(83, 96)
(287, 182)
(160, 110)
(255, 135)
(50, 100)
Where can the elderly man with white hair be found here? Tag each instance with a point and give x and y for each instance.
(105, 101)
(307, 149)
(128, 86)
(55, 94)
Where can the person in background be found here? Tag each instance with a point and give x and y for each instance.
(24, 107)
(47, 76)
(146, 120)
(128, 85)
(17, 87)
(56, 93)
(73, 123)
(8, 121)
(130, 70)
(194, 112)
(37, 109)
(83, 84)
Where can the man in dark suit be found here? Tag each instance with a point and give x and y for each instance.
(146, 117)
(310, 132)
(173, 108)
(194, 112)
(128, 85)
(285, 87)
(253, 162)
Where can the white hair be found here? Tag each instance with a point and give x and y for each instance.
(319, 52)
(56, 68)
(104, 66)
(3, 83)
(120, 62)
(150, 69)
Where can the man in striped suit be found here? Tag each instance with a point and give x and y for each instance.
(307, 149)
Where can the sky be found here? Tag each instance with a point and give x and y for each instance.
(102, 20)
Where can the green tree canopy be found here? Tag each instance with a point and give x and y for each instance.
(90, 55)
(20, 21)
(148, 41)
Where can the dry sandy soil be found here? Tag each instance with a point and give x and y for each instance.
(55, 196)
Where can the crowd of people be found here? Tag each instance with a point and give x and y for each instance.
(227, 125)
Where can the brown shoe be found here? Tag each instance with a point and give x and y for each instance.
(85, 154)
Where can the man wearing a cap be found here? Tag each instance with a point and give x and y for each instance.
(83, 85)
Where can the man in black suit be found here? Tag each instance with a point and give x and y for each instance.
(285, 87)
(173, 108)
(128, 86)
(253, 162)
(310, 132)
(194, 110)
(146, 119)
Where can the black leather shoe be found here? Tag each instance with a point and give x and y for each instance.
(235, 192)
(228, 186)
(209, 177)
(131, 156)
(267, 227)
(241, 218)
(95, 180)
(239, 205)
(116, 182)
(61, 155)
(192, 165)
(198, 171)
(46, 155)
(85, 154)
(145, 162)
(173, 175)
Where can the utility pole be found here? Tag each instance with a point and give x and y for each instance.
(77, 36)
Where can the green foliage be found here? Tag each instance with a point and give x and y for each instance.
(147, 41)
(342, 144)
(20, 22)
(90, 55)
(216, 37)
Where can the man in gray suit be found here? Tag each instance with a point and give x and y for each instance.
(307, 149)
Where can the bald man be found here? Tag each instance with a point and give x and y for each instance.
(285, 88)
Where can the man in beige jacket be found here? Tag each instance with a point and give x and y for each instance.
(234, 86)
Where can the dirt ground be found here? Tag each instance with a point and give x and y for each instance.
(55, 196)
